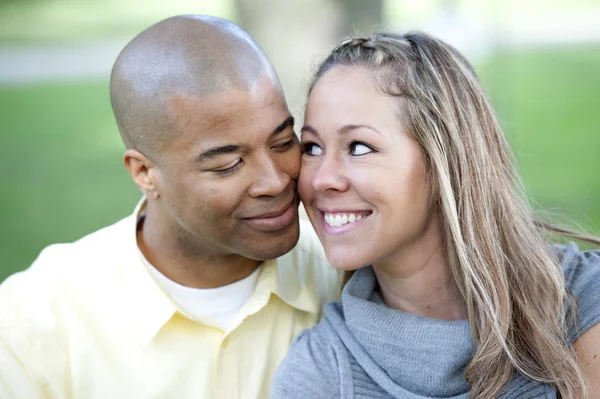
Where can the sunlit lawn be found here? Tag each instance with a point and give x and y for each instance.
(548, 101)
(50, 21)
(62, 175)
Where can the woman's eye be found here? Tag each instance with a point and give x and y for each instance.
(311, 149)
(358, 148)
(229, 169)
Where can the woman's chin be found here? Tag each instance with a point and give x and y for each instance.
(344, 262)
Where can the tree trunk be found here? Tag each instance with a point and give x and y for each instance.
(297, 35)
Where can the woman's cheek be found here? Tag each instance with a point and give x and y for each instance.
(305, 189)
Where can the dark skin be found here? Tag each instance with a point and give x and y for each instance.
(220, 174)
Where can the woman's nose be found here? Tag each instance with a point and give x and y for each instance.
(330, 175)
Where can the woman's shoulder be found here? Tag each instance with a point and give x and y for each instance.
(581, 269)
(310, 368)
(322, 336)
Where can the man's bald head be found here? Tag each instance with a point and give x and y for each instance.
(182, 56)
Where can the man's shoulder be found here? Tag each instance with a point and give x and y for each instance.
(60, 266)
(116, 234)
(98, 245)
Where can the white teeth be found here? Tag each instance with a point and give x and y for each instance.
(340, 219)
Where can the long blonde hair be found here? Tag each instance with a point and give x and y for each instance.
(498, 251)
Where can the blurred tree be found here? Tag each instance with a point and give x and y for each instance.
(297, 35)
(360, 16)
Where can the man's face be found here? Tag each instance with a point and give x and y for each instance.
(228, 183)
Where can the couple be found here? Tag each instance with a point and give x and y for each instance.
(200, 292)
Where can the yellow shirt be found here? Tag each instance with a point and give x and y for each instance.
(87, 321)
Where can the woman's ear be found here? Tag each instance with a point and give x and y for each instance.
(142, 171)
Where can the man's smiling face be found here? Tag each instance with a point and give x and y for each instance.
(228, 180)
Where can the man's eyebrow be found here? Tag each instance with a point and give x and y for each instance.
(213, 152)
(228, 149)
(288, 122)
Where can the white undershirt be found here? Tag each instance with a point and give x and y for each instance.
(218, 305)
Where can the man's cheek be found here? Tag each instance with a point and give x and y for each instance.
(290, 164)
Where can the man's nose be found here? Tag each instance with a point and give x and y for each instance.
(270, 180)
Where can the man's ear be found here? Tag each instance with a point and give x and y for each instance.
(143, 172)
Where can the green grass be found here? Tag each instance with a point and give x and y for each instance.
(37, 22)
(548, 104)
(402, 13)
(62, 174)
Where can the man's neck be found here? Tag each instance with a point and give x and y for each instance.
(203, 269)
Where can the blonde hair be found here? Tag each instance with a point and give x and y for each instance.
(499, 253)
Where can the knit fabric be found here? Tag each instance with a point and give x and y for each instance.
(363, 349)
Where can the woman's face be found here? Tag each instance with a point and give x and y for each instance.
(363, 178)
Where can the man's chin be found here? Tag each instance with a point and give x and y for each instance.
(264, 252)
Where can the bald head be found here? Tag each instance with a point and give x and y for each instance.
(183, 56)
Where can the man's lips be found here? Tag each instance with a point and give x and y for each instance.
(275, 220)
(273, 214)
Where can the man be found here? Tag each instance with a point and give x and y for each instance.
(198, 293)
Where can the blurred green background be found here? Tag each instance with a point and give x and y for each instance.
(60, 153)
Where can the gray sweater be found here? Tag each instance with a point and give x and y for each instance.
(363, 349)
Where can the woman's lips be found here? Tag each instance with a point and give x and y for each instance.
(338, 222)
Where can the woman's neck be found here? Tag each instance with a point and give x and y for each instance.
(418, 280)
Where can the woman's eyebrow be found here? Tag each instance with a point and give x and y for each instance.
(348, 128)
(309, 129)
(342, 130)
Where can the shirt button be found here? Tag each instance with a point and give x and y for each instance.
(225, 343)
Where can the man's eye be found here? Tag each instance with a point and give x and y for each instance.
(357, 149)
(229, 169)
(311, 149)
(285, 145)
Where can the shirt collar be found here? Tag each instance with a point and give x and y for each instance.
(153, 308)
(289, 287)
(278, 277)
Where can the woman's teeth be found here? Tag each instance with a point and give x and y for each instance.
(340, 219)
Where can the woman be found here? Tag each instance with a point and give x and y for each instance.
(405, 169)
